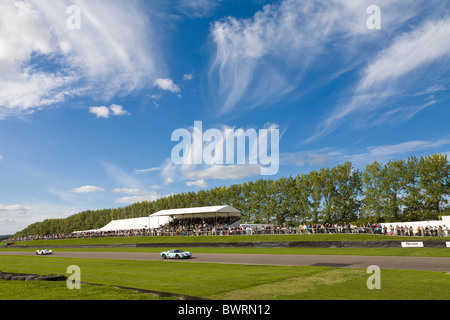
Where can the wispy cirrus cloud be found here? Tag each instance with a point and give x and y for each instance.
(121, 177)
(260, 60)
(230, 172)
(388, 152)
(142, 171)
(132, 188)
(413, 61)
(409, 51)
(198, 8)
(134, 195)
(380, 153)
(291, 48)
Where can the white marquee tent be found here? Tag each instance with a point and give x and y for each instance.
(163, 217)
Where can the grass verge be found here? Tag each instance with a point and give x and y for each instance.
(406, 252)
(42, 290)
(216, 239)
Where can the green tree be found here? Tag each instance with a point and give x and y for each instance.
(316, 185)
(435, 182)
(303, 198)
(413, 197)
(347, 191)
(328, 187)
(393, 184)
(373, 200)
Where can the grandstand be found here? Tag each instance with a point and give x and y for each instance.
(165, 217)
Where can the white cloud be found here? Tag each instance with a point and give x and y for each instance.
(16, 208)
(18, 217)
(108, 50)
(136, 195)
(198, 183)
(117, 110)
(105, 112)
(188, 77)
(317, 157)
(198, 8)
(400, 114)
(168, 181)
(230, 172)
(296, 160)
(212, 155)
(100, 112)
(136, 199)
(87, 189)
(166, 84)
(121, 177)
(140, 171)
(133, 188)
(127, 190)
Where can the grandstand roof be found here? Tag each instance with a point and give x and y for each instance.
(225, 210)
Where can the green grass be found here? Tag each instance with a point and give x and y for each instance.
(406, 252)
(218, 281)
(215, 239)
(47, 290)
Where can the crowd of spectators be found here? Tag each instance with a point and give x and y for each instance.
(230, 226)
(197, 225)
(333, 228)
(420, 231)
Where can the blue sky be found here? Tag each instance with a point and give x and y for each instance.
(87, 110)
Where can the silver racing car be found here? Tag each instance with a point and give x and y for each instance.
(176, 254)
(44, 252)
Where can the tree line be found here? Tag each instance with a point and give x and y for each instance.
(401, 190)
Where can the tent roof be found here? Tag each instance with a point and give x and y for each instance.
(198, 210)
(127, 224)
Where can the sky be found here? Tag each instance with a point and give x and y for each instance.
(92, 92)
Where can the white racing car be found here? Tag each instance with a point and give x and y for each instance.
(176, 254)
(44, 252)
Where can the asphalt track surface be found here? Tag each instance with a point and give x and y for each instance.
(343, 261)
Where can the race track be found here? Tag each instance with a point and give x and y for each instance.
(384, 262)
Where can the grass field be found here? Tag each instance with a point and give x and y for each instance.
(218, 281)
(223, 281)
